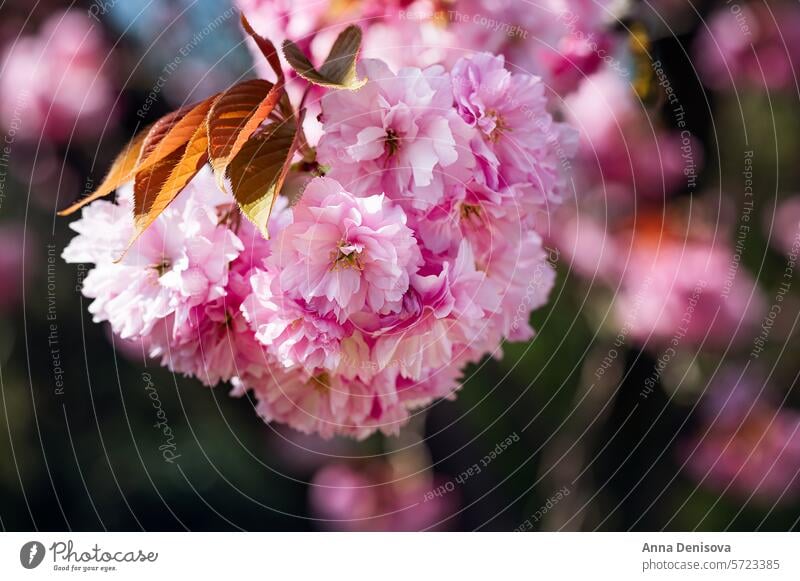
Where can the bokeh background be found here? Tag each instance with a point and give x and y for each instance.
(659, 393)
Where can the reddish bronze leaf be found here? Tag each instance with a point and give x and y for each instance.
(266, 47)
(235, 117)
(159, 185)
(159, 130)
(149, 182)
(149, 147)
(173, 131)
(259, 169)
(226, 130)
(121, 171)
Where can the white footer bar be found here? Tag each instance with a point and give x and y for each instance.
(401, 556)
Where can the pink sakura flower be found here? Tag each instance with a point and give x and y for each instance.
(398, 134)
(177, 264)
(215, 344)
(328, 404)
(343, 253)
(186, 310)
(490, 220)
(517, 138)
(510, 256)
(445, 320)
(296, 334)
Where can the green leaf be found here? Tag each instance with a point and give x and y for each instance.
(339, 69)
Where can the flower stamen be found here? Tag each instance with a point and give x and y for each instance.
(500, 125)
(162, 267)
(321, 382)
(346, 256)
(392, 141)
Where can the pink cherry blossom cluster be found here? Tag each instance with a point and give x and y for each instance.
(560, 40)
(411, 255)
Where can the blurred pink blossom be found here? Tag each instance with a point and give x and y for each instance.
(756, 45)
(55, 82)
(12, 266)
(376, 498)
(622, 143)
(681, 290)
(674, 286)
(785, 226)
(745, 443)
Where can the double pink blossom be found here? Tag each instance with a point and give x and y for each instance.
(414, 254)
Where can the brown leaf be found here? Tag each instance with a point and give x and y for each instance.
(266, 47)
(155, 188)
(235, 117)
(259, 169)
(120, 172)
(339, 69)
(173, 131)
(227, 131)
(149, 147)
(149, 182)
